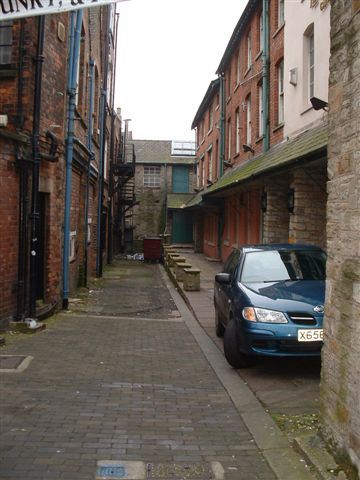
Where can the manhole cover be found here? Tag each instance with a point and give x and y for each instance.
(11, 362)
(179, 471)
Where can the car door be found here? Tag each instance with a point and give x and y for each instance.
(224, 291)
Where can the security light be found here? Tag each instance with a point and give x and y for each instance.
(248, 148)
(319, 104)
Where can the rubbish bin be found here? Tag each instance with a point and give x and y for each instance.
(152, 249)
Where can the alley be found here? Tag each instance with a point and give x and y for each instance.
(122, 377)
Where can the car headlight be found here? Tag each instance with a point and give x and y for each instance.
(263, 315)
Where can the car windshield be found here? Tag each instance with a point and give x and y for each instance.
(282, 265)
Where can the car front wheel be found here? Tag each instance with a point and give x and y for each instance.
(231, 348)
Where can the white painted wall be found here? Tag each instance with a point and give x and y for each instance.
(299, 14)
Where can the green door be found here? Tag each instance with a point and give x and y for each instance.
(180, 179)
(182, 227)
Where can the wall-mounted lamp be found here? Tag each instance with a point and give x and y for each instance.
(318, 104)
(227, 164)
(248, 148)
(264, 201)
(291, 200)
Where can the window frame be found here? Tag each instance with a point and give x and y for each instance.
(6, 47)
(72, 246)
(261, 111)
(280, 82)
(248, 120)
(151, 172)
(249, 50)
(237, 132)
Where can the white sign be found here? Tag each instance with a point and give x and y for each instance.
(14, 9)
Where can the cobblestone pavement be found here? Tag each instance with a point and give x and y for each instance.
(120, 378)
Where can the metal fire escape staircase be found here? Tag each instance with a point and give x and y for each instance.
(123, 172)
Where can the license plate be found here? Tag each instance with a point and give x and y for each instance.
(310, 335)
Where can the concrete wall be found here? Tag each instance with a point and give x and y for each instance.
(298, 16)
(340, 387)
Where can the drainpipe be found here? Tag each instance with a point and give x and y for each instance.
(222, 126)
(23, 190)
(74, 50)
(221, 158)
(39, 59)
(91, 156)
(103, 99)
(265, 76)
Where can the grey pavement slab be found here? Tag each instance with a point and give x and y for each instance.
(120, 386)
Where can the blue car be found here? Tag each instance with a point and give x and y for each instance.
(269, 301)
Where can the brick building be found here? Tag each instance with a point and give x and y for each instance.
(34, 103)
(264, 183)
(340, 387)
(164, 182)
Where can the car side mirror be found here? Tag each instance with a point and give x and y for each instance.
(223, 278)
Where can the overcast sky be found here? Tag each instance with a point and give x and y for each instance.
(168, 53)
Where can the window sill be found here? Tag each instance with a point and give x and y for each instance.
(237, 154)
(259, 139)
(226, 243)
(306, 109)
(278, 127)
(278, 30)
(259, 55)
(210, 131)
(228, 99)
(236, 86)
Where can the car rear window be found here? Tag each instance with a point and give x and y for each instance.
(281, 265)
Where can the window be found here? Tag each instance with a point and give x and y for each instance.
(89, 230)
(202, 130)
(203, 171)
(311, 64)
(249, 50)
(210, 165)
(261, 32)
(72, 246)
(308, 64)
(211, 117)
(261, 112)
(281, 14)
(5, 42)
(237, 132)
(229, 139)
(228, 85)
(281, 92)
(248, 120)
(238, 68)
(152, 177)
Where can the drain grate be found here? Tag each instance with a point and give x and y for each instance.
(179, 471)
(11, 362)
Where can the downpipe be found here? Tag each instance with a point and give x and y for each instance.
(74, 50)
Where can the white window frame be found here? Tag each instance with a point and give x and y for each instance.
(210, 165)
(248, 120)
(229, 140)
(281, 12)
(237, 132)
(152, 176)
(249, 50)
(211, 117)
(72, 246)
(238, 68)
(311, 63)
(203, 171)
(261, 32)
(280, 71)
(261, 112)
